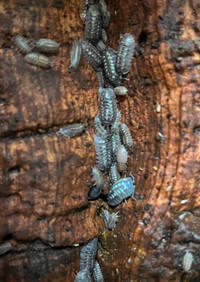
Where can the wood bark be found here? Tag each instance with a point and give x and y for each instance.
(45, 177)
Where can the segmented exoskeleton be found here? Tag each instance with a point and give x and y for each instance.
(91, 54)
(113, 173)
(97, 274)
(103, 152)
(4, 248)
(116, 143)
(100, 128)
(83, 276)
(38, 60)
(93, 24)
(76, 54)
(115, 125)
(72, 130)
(23, 44)
(88, 254)
(125, 135)
(47, 45)
(109, 56)
(121, 190)
(125, 54)
(108, 106)
(110, 219)
(100, 77)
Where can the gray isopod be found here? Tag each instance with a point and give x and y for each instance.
(97, 273)
(47, 45)
(110, 219)
(4, 248)
(104, 13)
(125, 54)
(72, 130)
(93, 24)
(76, 54)
(103, 152)
(23, 44)
(91, 54)
(88, 254)
(38, 60)
(125, 135)
(115, 125)
(114, 175)
(83, 276)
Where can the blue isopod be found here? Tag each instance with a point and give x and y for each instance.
(121, 190)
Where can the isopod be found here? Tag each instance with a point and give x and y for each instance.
(97, 273)
(96, 190)
(93, 24)
(113, 173)
(125, 54)
(104, 13)
(120, 90)
(103, 152)
(116, 143)
(110, 219)
(101, 130)
(23, 44)
(88, 4)
(47, 45)
(76, 54)
(187, 261)
(91, 54)
(72, 130)
(109, 56)
(115, 125)
(4, 248)
(108, 106)
(125, 135)
(38, 60)
(83, 276)
(88, 254)
(122, 157)
(121, 190)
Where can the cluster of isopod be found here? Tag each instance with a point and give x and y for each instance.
(32, 49)
(113, 138)
(88, 263)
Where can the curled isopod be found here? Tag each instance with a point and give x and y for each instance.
(125, 54)
(122, 157)
(47, 45)
(125, 135)
(72, 130)
(76, 54)
(121, 190)
(110, 219)
(4, 248)
(114, 175)
(109, 57)
(88, 254)
(39, 60)
(93, 24)
(187, 261)
(120, 90)
(91, 54)
(83, 276)
(97, 273)
(23, 44)
(103, 152)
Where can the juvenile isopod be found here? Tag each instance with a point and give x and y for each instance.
(91, 54)
(120, 90)
(114, 175)
(93, 24)
(47, 45)
(116, 143)
(72, 130)
(23, 44)
(125, 54)
(4, 248)
(88, 254)
(187, 261)
(83, 276)
(76, 54)
(108, 106)
(96, 190)
(125, 135)
(103, 152)
(121, 190)
(97, 273)
(109, 57)
(110, 219)
(39, 60)
(122, 157)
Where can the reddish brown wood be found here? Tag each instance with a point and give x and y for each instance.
(45, 177)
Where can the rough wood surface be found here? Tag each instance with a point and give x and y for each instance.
(45, 177)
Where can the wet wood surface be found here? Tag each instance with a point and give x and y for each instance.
(45, 177)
